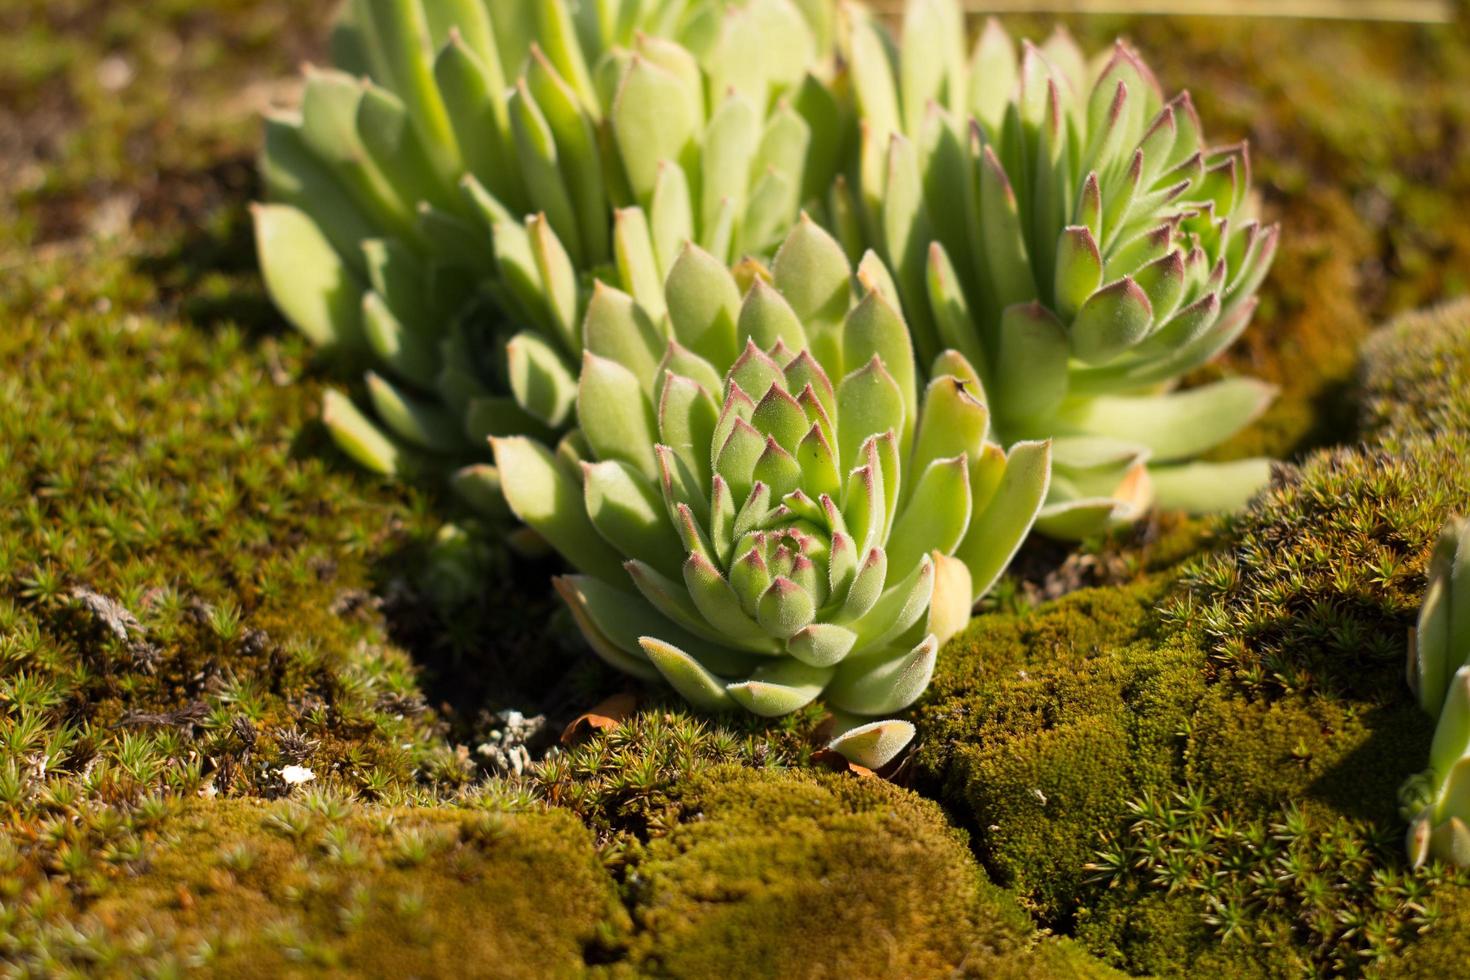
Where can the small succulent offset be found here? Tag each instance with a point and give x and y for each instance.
(1072, 233)
(761, 507)
(446, 196)
(1437, 802)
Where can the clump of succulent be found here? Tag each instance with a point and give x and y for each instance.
(1069, 230)
(447, 194)
(761, 506)
(1437, 802)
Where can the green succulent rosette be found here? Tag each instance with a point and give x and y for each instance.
(446, 196)
(1069, 230)
(762, 505)
(1437, 802)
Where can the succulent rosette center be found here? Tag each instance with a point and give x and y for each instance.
(796, 523)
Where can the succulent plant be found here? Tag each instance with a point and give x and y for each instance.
(1071, 232)
(1437, 802)
(1440, 644)
(761, 506)
(443, 215)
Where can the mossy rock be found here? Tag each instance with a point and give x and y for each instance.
(1323, 574)
(245, 889)
(804, 874)
(1039, 728)
(1350, 756)
(1416, 376)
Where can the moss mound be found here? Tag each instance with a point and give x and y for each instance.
(1327, 570)
(806, 875)
(1416, 376)
(627, 782)
(1039, 727)
(245, 889)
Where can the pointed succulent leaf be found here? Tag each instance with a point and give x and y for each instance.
(540, 380)
(704, 305)
(777, 469)
(780, 416)
(875, 329)
(577, 154)
(687, 416)
(558, 280)
(416, 421)
(997, 531)
(1030, 365)
(780, 688)
(671, 216)
(881, 684)
(407, 354)
(630, 514)
(356, 436)
(654, 120)
(1178, 425)
(637, 262)
(617, 328)
(785, 608)
(695, 684)
(937, 515)
(822, 644)
(550, 500)
(736, 458)
(1209, 488)
(953, 318)
(755, 372)
(902, 604)
(539, 160)
(719, 604)
(869, 402)
(306, 278)
(1111, 321)
(1079, 270)
(1452, 734)
(615, 415)
(866, 588)
(610, 621)
(766, 317)
(812, 274)
(730, 145)
(952, 422)
(875, 744)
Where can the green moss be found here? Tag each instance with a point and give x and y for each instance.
(805, 875)
(1038, 729)
(1325, 571)
(1296, 891)
(1152, 932)
(1351, 756)
(247, 889)
(626, 783)
(186, 583)
(1416, 376)
(1444, 951)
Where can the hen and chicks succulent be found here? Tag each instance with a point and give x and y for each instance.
(628, 230)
